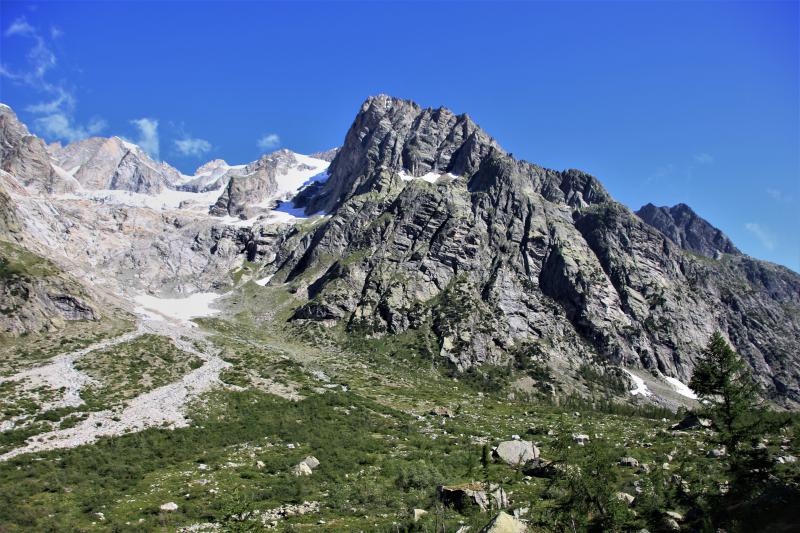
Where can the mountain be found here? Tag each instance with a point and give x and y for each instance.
(436, 229)
(420, 226)
(689, 231)
(113, 163)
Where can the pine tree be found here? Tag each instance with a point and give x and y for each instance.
(731, 399)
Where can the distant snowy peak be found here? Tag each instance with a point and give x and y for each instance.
(100, 163)
(264, 183)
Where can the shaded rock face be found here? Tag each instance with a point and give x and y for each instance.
(253, 184)
(25, 156)
(396, 134)
(688, 230)
(35, 295)
(499, 254)
(111, 163)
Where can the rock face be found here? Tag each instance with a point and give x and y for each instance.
(25, 156)
(689, 231)
(35, 295)
(435, 228)
(112, 163)
(253, 184)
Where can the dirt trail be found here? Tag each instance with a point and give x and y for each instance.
(162, 407)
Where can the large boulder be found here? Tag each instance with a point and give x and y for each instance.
(464, 496)
(504, 523)
(516, 452)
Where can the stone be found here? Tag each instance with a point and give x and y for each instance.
(311, 461)
(691, 421)
(169, 507)
(419, 514)
(442, 411)
(504, 523)
(626, 498)
(580, 439)
(302, 469)
(516, 452)
(464, 496)
(629, 461)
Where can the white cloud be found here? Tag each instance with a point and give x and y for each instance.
(779, 195)
(148, 135)
(762, 234)
(56, 118)
(269, 141)
(704, 158)
(192, 147)
(20, 27)
(60, 126)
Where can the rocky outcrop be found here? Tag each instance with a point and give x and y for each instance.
(37, 295)
(495, 255)
(688, 230)
(25, 156)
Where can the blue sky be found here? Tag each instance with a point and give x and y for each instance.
(664, 102)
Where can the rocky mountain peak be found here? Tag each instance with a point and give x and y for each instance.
(402, 137)
(211, 166)
(688, 230)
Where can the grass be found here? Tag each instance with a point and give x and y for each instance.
(129, 369)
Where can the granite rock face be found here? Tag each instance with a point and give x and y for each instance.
(253, 184)
(25, 156)
(688, 230)
(435, 228)
(112, 163)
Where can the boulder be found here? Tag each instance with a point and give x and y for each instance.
(462, 497)
(628, 499)
(311, 461)
(442, 411)
(505, 523)
(499, 497)
(580, 439)
(629, 461)
(516, 452)
(539, 468)
(169, 507)
(302, 469)
(419, 514)
(691, 421)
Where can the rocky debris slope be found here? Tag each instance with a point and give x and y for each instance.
(435, 228)
(688, 230)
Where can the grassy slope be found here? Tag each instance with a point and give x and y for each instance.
(379, 457)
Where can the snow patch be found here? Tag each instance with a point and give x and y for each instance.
(681, 388)
(430, 177)
(641, 387)
(193, 306)
(264, 281)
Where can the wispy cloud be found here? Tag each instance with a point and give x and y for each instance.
(779, 195)
(269, 141)
(59, 126)
(56, 114)
(192, 147)
(703, 158)
(148, 136)
(761, 233)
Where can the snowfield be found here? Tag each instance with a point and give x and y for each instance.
(184, 309)
(641, 387)
(681, 388)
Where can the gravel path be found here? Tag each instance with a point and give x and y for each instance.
(162, 407)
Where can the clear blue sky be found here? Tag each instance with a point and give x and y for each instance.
(664, 102)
